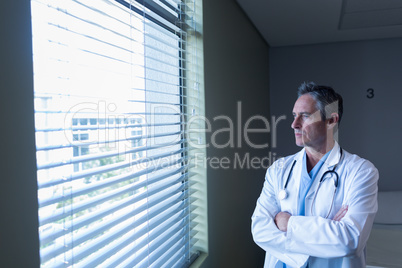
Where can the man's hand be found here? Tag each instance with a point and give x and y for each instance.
(341, 213)
(281, 220)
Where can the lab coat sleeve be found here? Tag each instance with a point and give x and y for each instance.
(264, 230)
(326, 238)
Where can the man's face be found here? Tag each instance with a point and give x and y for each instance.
(310, 130)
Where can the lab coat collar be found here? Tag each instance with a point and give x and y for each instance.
(334, 156)
(299, 156)
(332, 160)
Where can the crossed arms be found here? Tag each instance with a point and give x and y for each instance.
(292, 239)
(282, 218)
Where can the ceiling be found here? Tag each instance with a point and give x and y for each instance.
(296, 22)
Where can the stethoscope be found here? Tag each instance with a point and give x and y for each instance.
(283, 194)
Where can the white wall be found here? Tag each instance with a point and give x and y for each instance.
(236, 70)
(19, 246)
(370, 127)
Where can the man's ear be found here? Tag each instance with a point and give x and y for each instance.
(333, 120)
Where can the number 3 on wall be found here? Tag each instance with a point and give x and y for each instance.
(370, 93)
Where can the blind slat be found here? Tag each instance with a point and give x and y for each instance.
(91, 157)
(120, 249)
(85, 143)
(182, 258)
(78, 239)
(110, 127)
(99, 214)
(172, 245)
(64, 212)
(85, 190)
(160, 222)
(141, 259)
(99, 170)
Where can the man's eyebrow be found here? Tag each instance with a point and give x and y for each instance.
(302, 113)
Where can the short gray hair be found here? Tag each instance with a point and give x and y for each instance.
(328, 101)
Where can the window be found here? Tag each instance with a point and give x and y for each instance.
(116, 85)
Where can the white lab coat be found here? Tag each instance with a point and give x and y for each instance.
(328, 243)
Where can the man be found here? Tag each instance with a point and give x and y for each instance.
(317, 206)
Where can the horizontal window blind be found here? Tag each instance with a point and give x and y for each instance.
(116, 83)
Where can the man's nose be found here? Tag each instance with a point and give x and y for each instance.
(296, 122)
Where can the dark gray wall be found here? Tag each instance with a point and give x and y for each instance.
(19, 245)
(236, 70)
(370, 126)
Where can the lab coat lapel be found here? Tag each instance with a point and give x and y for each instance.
(296, 178)
(291, 203)
(329, 164)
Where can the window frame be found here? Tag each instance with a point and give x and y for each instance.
(197, 86)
